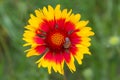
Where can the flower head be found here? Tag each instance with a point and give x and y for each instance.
(58, 36)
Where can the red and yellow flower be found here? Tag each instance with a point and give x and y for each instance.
(59, 36)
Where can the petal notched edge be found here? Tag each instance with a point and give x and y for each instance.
(81, 24)
(32, 53)
(50, 64)
(57, 12)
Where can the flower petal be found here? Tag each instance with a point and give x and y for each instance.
(28, 37)
(34, 21)
(39, 14)
(49, 14)
(50, 60)
(40, 49)
(38, 40)
(69, 26)
(75, 39)
(74, 18)
(81, 24)
(85, 41)
(57, 12)
(84, 32)
(83, 49)
(69, 59)
(31, 52)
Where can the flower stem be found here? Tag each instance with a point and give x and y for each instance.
(64, 77)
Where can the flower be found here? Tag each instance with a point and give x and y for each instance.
(58, 36)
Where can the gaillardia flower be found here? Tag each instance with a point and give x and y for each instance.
(59, 36)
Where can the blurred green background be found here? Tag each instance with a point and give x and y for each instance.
(103, 64)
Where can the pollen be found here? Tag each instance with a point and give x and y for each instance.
(57, 39)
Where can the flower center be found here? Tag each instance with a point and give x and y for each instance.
(57, 38)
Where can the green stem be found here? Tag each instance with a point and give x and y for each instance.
(64, 77)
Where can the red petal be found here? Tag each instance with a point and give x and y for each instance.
(69, 26)
(44, 27)
(73, 50)
(67, 57)
(48, 56)
(38, 40)
(74, 38)
(60, 23)
(51, 24)
(56, 57)
(40, 49)
(47, 25)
